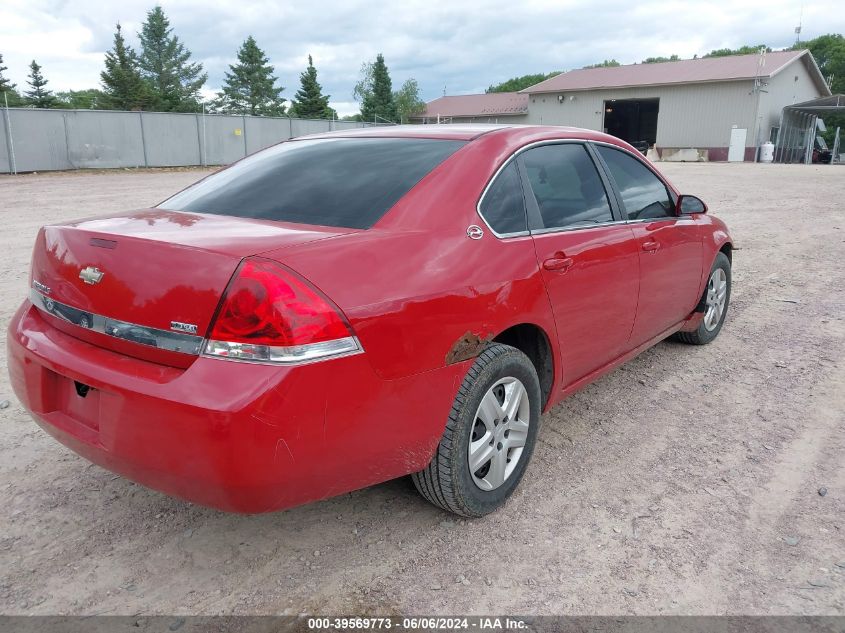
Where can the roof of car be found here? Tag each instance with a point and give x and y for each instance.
(466, 132)
(446, 131)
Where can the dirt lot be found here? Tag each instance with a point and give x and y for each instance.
(686, 482)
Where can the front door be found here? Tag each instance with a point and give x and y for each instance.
(589, 259)
(669, 245)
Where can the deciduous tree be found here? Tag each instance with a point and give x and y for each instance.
(88, 99)
(408, 101)
(515, 84)
(829, 53)
(607, 63)
(742, 50)
(660, 60)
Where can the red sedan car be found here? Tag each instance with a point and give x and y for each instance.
(343, 309)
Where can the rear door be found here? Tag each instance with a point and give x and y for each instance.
(587, 254)
(669, 245)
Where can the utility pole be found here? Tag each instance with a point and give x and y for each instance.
(11, 143)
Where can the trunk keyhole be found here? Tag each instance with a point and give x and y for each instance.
(81, 390)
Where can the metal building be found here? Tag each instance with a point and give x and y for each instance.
(494, 107)
(713, 108)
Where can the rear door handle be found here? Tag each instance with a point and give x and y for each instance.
(559, 263)
(651, 246)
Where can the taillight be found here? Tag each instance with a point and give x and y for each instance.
(268, 314)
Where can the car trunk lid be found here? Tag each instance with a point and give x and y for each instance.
(147, 283)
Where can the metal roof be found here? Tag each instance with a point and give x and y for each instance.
(705, 69)
(490, 104)
(833, 103)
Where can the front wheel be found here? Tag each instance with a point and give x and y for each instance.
(717, 296)
(489, 436)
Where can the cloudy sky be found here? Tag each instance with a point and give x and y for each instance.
(461, 47)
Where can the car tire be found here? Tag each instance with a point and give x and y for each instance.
(503, 376)
(715, 301)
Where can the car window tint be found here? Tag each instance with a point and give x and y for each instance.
(567, 186)
(643, 193)
(343, 182)
(503, 206)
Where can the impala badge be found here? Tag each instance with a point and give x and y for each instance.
(187, 328)
(42, 288)
(91, 275)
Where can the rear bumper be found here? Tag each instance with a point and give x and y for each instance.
(236, 436)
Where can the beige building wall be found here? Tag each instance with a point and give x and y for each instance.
(793, 84)
(690, 116)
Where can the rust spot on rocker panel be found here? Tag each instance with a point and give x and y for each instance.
(468, 346)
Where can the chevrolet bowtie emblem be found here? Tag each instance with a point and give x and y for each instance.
(91, 275)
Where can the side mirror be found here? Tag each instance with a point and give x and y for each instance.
(688, 205)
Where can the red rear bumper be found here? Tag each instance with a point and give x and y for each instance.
(236, 436)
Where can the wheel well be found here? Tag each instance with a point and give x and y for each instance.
(532, 341)
(727, 248)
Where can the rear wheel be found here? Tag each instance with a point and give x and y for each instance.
(489, 437)
(717, 296)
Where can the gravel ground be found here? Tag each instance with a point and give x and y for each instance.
(686, 482)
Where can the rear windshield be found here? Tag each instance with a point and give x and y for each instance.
(343, 182)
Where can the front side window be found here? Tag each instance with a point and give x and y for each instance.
(503, 206)
(643, 194)
(339, 182)
(567, 186)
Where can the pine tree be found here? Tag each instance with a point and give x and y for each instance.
(5, 84)
(164, 63)
(379, 105)
(122, 81)
(250, 87)
(38, 96)
(310, 103)
(8, 90)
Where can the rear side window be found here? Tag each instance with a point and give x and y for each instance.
(643, 193)
(567, 186)
(503, 206)
(342, 182)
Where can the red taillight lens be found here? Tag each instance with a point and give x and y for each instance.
(269, 314)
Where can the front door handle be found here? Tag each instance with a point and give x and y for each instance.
(559, 263)
(651, 246)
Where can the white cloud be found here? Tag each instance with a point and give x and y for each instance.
(463, 46)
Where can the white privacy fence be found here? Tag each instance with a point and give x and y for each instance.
(40, 140)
